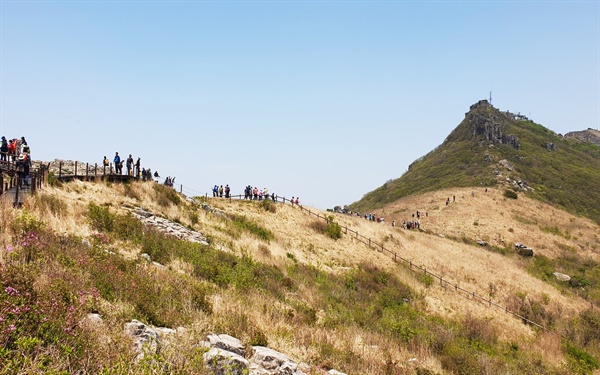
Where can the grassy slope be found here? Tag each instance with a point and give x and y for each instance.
(329, 303)
(568, 177)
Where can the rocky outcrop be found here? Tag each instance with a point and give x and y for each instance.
(169, 227)
(145, 339)
(523, 250)
(561, 276)
(491, 128)
(227, 355)
(590, 135)
(487, 122)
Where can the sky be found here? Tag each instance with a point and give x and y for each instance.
(323, 100)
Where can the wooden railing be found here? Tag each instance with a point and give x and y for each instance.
(445, 283)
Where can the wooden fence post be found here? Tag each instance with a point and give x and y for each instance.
(17, 191)
(75, 168)
(60, 169)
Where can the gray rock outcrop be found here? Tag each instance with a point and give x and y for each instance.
(145, 339)
(523, 250)
(169, 227)
(561, 276)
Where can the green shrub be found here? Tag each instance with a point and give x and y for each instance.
(269, 206)
(333, 230)
(243, 223)
(579, 361)
(101, 219)
(510, 194)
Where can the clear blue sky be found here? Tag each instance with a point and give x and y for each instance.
(325, 100)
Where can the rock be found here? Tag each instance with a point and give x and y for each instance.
(93, 319)
(482, 243)
(167, 226)
(506, 164)
(146, 256)
(222, 362)
(561, 276)
(526, 252)
(335, 372)
(144, 337)
(225, 342)
(267, 361)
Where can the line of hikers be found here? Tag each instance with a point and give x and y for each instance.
(218, 191)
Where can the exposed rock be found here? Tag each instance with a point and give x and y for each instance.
(225, 342)
(590, 135)
(167, 226)
(550, 146)
(506, 164)
(144, 337)
(93, 319)
(490, 126)
(482, 243)
(335, 372)
(267, 361)
(523, 250)
(561, 276)
(222, 362)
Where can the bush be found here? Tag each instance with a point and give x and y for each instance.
(166, 195)
(510, 194)
(333, 230)
(269, 206)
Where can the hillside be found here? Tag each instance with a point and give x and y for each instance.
(270, 275)
(491, 148)
(590, 135)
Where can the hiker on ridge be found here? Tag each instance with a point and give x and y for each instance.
(118, 165)
(129, 165)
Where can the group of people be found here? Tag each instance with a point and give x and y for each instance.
(133, 167)
(17, 151)
(218, 191)
(257, 194)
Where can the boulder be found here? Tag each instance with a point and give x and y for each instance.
(526, 252)
(223, 362)
(225, 342)
(266, 361)
(562, 276)
(144, 337)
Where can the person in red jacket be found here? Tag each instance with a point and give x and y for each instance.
(12, 150)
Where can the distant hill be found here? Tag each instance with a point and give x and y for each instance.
(589, 135)
(493, 148)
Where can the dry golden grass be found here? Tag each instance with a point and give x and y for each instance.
(487, 216)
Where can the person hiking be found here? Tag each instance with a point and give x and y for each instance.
(137, 167)
(117, 161)
(215, 191)
(227, 190)
(3, 149)
(105, 161)
(12, 150)
(129, 165)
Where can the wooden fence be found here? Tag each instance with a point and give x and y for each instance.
(444, 283)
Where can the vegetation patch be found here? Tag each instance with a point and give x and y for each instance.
(243, 223)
